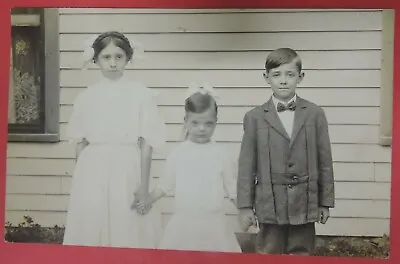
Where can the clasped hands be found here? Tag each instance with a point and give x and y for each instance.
(142, 202)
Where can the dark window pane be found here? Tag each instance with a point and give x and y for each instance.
(25, 87)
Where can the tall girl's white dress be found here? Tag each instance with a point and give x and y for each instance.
(111, 115)
(199, 176)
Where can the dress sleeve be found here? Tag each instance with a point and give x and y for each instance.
(75, 127)
(152, 127)
(229, 175)
(168, 177)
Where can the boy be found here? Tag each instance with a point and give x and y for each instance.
(285, 164)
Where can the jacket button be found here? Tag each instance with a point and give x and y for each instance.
(295, 178)
(290, 186)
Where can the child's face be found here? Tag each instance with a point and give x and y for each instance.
(201, 126)
(284, 80)
(112, 61)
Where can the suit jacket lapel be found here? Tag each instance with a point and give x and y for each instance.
(271, 116)
(300, 116)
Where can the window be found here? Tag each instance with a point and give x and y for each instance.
(33, 108)
(386, 105)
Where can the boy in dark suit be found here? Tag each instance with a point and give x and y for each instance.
(285, 179)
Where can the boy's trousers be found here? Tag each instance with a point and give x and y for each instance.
(286, 239)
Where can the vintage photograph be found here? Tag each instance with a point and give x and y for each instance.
(231, 130)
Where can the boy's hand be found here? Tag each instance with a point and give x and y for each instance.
(323, 213)
(246, 218)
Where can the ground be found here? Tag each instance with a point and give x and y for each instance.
(29, 231)
(377, 247)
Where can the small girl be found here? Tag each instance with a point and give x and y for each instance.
(199, 173)
(117, 125)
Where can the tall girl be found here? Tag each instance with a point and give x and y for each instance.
(199, 174)
(117, 125)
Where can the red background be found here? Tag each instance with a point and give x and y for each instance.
(43, 254)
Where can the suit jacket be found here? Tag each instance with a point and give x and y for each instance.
(285, 179)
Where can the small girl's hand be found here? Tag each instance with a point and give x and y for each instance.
(143, 207)
(144, 203)
(135, 202)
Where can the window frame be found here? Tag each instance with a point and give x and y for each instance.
(50, 89)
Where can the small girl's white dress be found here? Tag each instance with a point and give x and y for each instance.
(200, 177)
(111, 116)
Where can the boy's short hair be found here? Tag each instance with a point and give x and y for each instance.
(282, 56)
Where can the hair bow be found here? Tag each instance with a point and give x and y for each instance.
(204, 88)
(88, 51)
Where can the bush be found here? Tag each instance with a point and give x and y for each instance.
(30, 232)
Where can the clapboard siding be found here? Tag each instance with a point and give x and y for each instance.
(237, 78)
(336, 227)
(226, 22)
(227, 48)
(239, 96)
(301, 41)
(340, 152)
(234, 114)
(87, 11)
(352, 209)
(344, 171)
(360, 134)
(243, 60)
(54, 185)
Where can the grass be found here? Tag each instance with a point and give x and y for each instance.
(30, 232)
(369, 247)
(354, 247)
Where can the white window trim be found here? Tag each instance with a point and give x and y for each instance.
(386, 89)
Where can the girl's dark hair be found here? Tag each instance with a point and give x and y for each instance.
(119, 39)
(199, 103)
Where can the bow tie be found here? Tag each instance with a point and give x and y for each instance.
(291, 106)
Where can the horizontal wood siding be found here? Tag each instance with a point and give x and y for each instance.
(341, 51)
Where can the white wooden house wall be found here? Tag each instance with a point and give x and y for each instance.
(341, 52)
